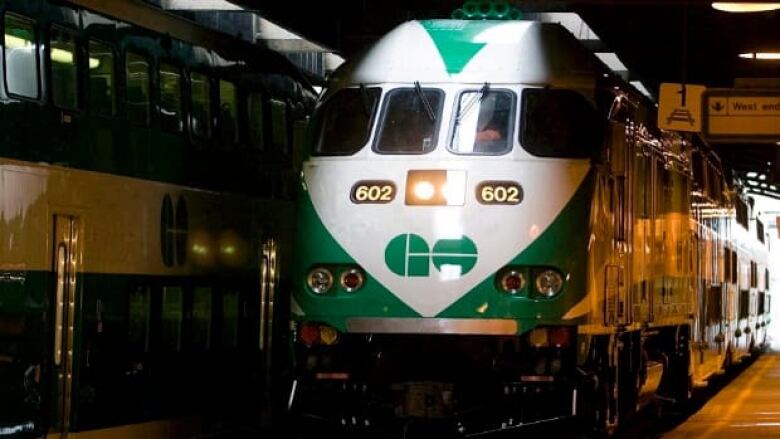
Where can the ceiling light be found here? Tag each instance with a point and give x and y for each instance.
(761, 55)
(745, 7)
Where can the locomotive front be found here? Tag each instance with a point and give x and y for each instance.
(443, 230)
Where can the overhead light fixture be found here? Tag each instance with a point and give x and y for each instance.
(745, 7)
(761, 55)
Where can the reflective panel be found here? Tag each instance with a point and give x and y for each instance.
(138, 319)
(279, 125)
(200, 117)
(255, 111)
(170, 98)
(201, 319)
(21, 57)
(64, 70)
(138, 105)
(102, 97)
(228, 112)
(229, 319)
(170, 331)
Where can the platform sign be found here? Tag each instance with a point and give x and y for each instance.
(742, 115)
(679, 107)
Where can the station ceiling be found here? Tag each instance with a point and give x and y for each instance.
(659, 41)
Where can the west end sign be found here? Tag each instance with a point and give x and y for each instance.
(737, 115)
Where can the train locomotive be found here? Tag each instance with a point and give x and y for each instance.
(492, 233)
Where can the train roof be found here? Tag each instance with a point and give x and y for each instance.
(468, 51)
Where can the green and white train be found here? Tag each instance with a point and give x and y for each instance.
(145, 168)
(491, 231)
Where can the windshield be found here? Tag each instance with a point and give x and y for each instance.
(483, 123)
(342, 123)
(410, 121)
(558, 123)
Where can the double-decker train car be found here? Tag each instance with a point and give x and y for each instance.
(146, 167)
(493, 233)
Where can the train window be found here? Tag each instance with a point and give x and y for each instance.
(766, 279)
(170, 98)
(138, 105)
(138, 319)
(201, 319)
(228, 112)
(342, 123)
(734, 265)
(170, 330)
(230, 319)
(64, 68)
(744, 303)
(200, 115)
(279, 125)
(410, 120)
(102, 98)
(21, 57)
(753, 275)
(255, 111)
(559, 123)
(486, 131)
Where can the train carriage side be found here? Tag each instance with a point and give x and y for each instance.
(145, 163)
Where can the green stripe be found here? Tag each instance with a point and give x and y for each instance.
(316, 245)
(564, 245)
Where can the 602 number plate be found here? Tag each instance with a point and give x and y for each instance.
(499, 192)
(373, 192)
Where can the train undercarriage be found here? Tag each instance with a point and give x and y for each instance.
(473, 386)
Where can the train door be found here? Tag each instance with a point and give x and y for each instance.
(269, 281)
(66, 307)
(642, 235)
(619, 271)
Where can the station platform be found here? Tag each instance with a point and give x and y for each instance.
(748, 407)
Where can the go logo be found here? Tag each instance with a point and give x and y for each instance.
(409, 255)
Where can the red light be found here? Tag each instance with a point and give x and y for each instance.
(352, 280)
(309, 334)
(560, 336)
(513, 282)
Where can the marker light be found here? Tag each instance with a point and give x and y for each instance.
(328, 335)
(424, 190)
(309, 334)
(320, 280)
(549, 283)
(745, 7)
(352, 280)
(512, 282)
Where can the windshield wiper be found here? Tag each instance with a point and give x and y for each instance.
(425, 102)
(366, 100)
(470, 104)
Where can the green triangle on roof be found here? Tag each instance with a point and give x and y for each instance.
(454, 40)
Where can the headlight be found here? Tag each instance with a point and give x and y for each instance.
(512, 281)
(320, 280)
(352, 280)
(549, 283)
